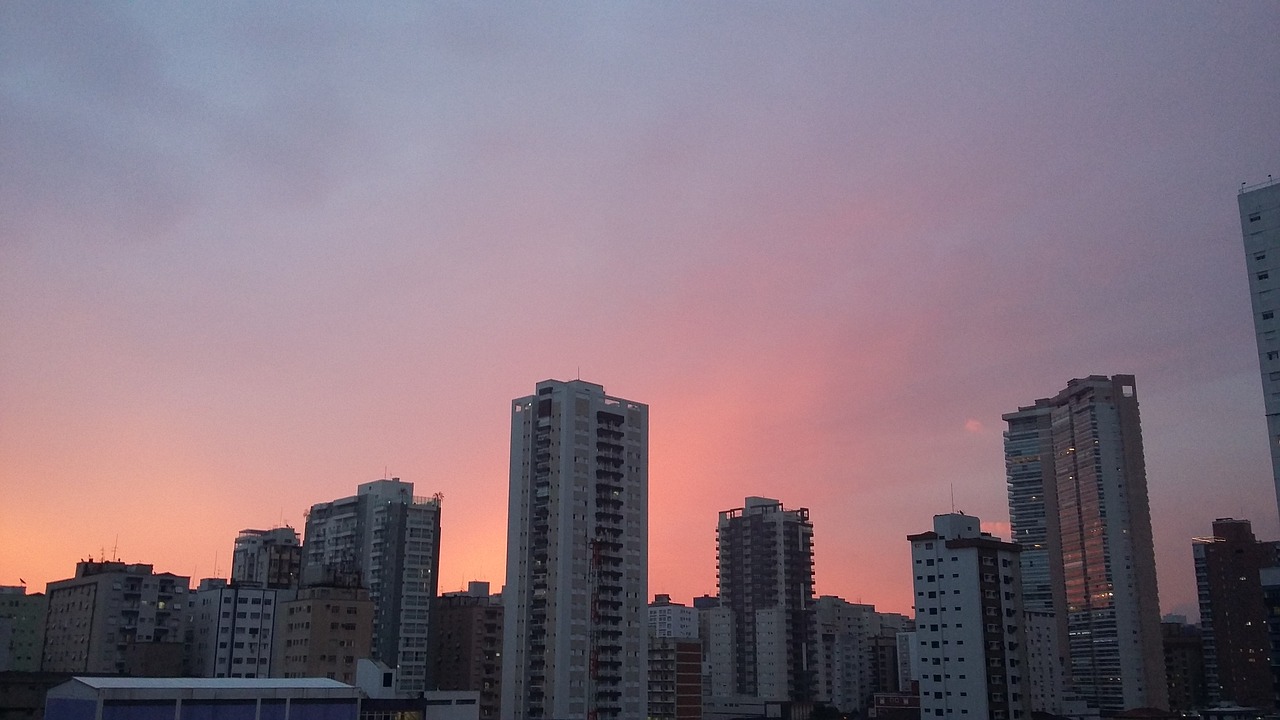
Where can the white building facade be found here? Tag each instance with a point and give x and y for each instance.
(575, 632)
(1260, 225)
(969, 634)
(233, 630)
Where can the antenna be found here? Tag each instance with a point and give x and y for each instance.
(115, 554)
(953, 498)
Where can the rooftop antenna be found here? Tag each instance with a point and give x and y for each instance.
(215, 564)
(953, 498)
(115, 554)
(578, 376)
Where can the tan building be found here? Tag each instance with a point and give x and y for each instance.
(323, 633)
(114, 618)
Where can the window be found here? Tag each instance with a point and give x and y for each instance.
(1255, 217)
(1273, 355)
(1267, 315)
(1264, 275)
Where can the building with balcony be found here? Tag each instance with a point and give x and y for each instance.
(116, 618)
(388, 541)
(267, 558)
(763, 642)
(577, 556)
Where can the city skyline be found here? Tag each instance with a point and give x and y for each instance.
(253, 257)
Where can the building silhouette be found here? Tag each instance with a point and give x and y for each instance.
(466, 644)
(1233, 614)
(387, 541)
(577, 556)
(1260, 224)
(763, 642)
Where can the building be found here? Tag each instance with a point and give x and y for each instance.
(216, 699)
(577, 555)
(1233, 614)
(1183, 665)
(1045, 673)
(1260, 225)
(675, 678)
(1078, 457)
(857, 653)
(116, 618)
(969, 622)
(765, 647)
(324, 632)
(21, 629)
(466, 645)
(390, 540)
(675, 661)
(672, 619)
(232, 630)
(267, 558)
(1033, 515)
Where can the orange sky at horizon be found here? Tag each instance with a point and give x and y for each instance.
(252, 257)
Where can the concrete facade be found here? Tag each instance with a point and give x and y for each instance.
(114, 617)
(267, 558)
(21, 629)
(466, 645)
(764, 559)
(233, 630)
(969, 622)
(323, 632)
(577, 556)
(390, 540)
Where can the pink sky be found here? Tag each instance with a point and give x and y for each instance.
(251, 257)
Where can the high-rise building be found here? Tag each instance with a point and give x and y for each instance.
(390, 540)
(1077, 458)
(116, 618)
(766, 644)
(969, 622)
(577, 556)
(845, 653)
(466, 645)
(1260, 225)
(1233, 614)
(267, 558)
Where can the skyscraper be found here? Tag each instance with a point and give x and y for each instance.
(575, 638)
(1078, 501)
(1260, 225)
(764, 558)
(389, 542)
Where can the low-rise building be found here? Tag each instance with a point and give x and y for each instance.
(85, 698)
(323, 632)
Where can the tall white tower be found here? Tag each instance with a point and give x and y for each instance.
(575, 639)
(1260, 225)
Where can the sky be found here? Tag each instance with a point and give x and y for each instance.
(253, 255)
